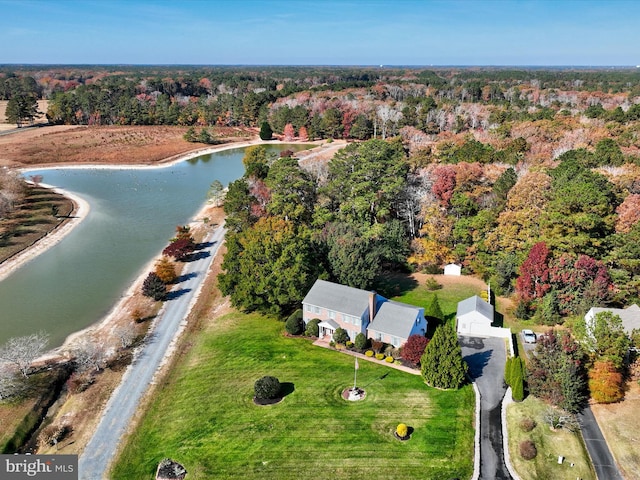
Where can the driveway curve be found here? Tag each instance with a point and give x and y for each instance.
(486, 358)
(101, 449)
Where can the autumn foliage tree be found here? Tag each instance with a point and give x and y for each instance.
(606, 382)
(166, 270)
(289, 132)
(413, 349)
(180, 249)
(533, 281)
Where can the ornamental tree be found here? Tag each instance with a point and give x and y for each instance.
(606, 383)
(413, 349)
(442, 362)
(180, 249)
(154, 287)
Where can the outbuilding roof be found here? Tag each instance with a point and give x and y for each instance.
(475, 304)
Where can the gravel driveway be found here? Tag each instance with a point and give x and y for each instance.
(100, 451)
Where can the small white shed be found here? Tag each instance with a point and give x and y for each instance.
(453, 269)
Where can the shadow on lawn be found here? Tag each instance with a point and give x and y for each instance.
(395, 284)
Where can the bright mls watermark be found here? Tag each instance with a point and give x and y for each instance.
(46, 467)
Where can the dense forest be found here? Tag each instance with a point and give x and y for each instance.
(529, 178)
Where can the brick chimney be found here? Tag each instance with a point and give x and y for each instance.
(372, 306)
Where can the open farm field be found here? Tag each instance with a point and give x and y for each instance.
(203, 415)
(114, 145)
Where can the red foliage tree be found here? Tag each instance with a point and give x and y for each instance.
(579, 282)
(444, 183)
(303, 134)
(289, 132)
(413, 349)
(533, 281)
(180, 249)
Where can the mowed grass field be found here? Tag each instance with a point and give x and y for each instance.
(204, 417)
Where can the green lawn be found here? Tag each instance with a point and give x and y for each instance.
(204, 416)
(550, 444)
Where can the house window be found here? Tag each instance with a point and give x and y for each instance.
(307, 307)
(395, 341)
(357, 321)
(316, 309)
(379, 336)
(332, 314)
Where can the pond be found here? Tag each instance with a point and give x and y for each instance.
(134, 213)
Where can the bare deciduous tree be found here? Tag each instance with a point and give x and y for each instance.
(10, 382)
(22, 351)
(89, 355)
(127, 335)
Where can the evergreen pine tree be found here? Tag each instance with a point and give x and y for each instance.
(265, 131)
(434, 311)
(442, 363)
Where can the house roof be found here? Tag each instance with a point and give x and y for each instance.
(630, 316)
(339, 298)
(395, 319)
(475, 304)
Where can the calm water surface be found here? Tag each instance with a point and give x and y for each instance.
(133, 215)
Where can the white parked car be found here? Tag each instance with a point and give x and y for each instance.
(529, 336)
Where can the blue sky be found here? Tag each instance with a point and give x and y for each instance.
(331, 32)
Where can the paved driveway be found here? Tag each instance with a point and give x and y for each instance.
(601, 457)
(486, 358)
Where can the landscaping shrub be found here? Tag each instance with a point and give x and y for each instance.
(527, 424)
(361, 341)
(294, 324)
(380, 356)
(369, 353)
(507, 370)
(312, 329)
(340, 336)
(349, 344)
(413, 349)
(432, 284)
(389, 360)
(528, 450)
(377, 346)
(517, 380)
(267, 387)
